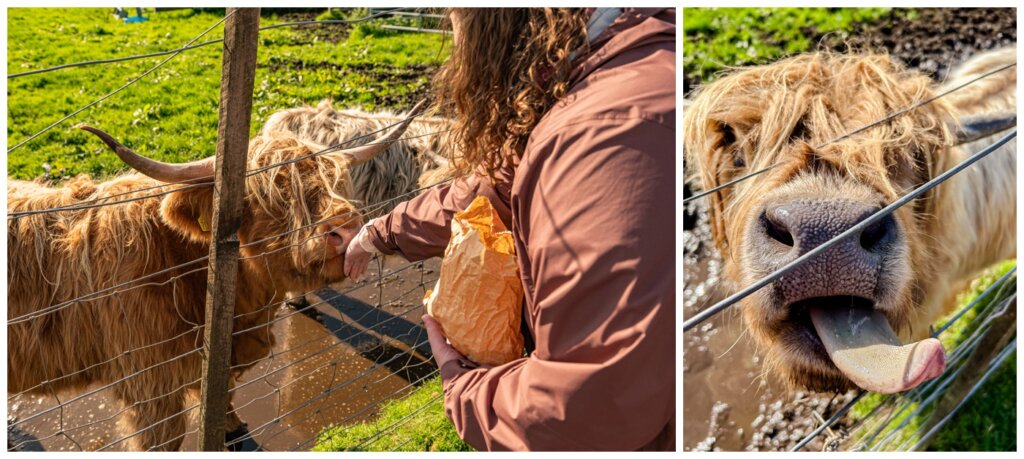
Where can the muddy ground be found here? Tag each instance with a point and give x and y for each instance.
(333, 33)
(728, 405)
(934, 40)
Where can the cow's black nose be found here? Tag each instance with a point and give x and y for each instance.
(790, 229)
(807, 224)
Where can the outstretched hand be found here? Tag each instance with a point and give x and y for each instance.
(442, 350)
(357, 255)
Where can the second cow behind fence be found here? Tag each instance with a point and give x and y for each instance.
(107, 280)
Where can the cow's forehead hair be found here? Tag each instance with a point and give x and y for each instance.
(816, 98)
(299, 190)
(762, 114)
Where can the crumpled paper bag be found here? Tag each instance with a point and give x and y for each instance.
(478, 297)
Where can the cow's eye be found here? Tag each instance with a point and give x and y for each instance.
(728, 135)
(799, 131)
(727, 142)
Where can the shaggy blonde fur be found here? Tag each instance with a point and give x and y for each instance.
(404, 167)
(779, 113)
(149, 326)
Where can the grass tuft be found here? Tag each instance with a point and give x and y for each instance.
(415, 422)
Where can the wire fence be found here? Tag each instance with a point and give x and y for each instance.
(908, 420)
(114, 364)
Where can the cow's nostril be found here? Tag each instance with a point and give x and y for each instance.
(776, 230)
(875, 236)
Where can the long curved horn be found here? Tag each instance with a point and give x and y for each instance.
(367, 152)
(977, 127)
(196, 171)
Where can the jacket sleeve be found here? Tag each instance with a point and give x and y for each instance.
(599, 272)
(420, 228)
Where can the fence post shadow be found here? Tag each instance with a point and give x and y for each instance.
(381, 346)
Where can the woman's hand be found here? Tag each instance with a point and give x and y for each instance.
(444, 352)
(358, 254)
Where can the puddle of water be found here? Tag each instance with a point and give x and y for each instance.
(332, 369)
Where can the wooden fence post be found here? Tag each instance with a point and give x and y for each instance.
(238, 72)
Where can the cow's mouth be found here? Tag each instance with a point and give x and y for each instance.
(850, 334)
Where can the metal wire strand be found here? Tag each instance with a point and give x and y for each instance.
(847, 135)
(98, 202)
(116, 289)
(366, 409)
(122, 88)
(104, 387)
(1009, 349)
(958, 354)
(855, 229)
(311, 355)
(310, 401)
(198, 45)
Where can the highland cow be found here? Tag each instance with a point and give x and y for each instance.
(143, 339)
(837, 321)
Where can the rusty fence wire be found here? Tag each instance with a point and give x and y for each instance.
(902, 421)
(341, 349)
(908, 420)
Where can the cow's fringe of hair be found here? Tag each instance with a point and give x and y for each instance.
(296, 194)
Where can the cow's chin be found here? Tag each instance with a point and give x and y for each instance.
(327, 271)
(795, 353)
(334, 269)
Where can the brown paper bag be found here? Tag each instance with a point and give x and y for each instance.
(478, 298)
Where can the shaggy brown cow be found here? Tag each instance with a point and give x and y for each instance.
(828, 325)
(152, 326)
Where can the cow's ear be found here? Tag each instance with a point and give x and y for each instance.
(190, 212)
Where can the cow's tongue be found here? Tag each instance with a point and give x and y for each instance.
(862, 345)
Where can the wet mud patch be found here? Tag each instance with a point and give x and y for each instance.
(933, 40)
(314, 33)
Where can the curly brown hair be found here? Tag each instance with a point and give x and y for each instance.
(507, 68)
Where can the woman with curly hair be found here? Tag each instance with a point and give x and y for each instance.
(565, 120)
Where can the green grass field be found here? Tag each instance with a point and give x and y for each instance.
(415, 422)
(171, 114)
(717, 38)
